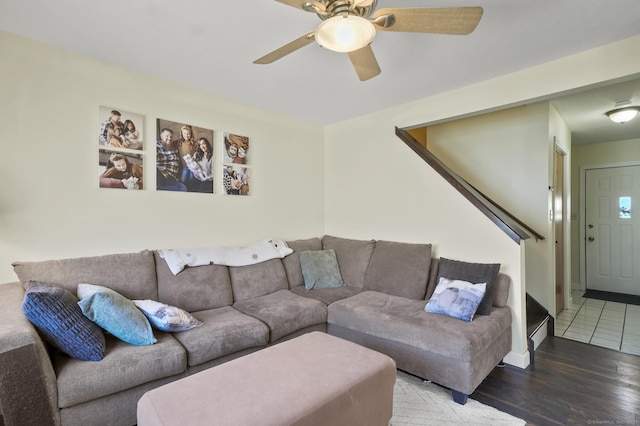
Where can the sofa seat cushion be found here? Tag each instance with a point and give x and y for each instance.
(404, 320)
(327, 295)
(284, 312)
(223, 332)
(123, 367)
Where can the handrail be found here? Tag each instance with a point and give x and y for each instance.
(512, 226)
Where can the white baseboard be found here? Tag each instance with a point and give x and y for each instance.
(517, 360)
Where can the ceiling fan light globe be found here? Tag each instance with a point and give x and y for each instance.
(345, 33)
(622, 115)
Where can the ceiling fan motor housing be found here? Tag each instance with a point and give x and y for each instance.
(338, 7)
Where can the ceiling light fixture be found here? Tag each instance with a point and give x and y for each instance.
(623, 112)
(345, 33)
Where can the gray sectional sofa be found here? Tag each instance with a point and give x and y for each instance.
(243, 309)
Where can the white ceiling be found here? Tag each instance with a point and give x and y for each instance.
(584, 112)
(211, 44)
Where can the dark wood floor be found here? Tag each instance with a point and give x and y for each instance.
(571, 383)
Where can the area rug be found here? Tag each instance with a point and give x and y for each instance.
(416, 402)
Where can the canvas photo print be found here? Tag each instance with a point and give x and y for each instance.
(236, 149)
(235, 180)
(120, 129)
(120, 170)
(184, 157)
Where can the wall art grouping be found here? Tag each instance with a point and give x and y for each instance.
(235, 173)
(184, 155)
(120, 141)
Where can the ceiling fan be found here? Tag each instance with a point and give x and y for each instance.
(349, 26)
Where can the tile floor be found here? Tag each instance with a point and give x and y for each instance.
(608, 324)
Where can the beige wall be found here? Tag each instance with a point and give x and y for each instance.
(353, 179)
(51, 206)
(376, 187)
(506, 155)
(583, 156)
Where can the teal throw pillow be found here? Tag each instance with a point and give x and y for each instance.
(167, 318)
(320, 269)
(457, 299)
(54, 311)
(119, 316)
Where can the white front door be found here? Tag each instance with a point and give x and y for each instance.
(613, 229)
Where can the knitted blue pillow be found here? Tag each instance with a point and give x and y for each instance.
(117, 315)
(55, 312)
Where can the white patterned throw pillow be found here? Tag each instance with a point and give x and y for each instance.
(165, 317)
(456, 298)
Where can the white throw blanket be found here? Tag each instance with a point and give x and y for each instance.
(265, 250)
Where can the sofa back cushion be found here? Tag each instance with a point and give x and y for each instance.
(474, 273)
(353, 257)
(433, 277)
(133, 275)
(292, 262)
(194, 289)
(399, 269)
(251, 281)
(501, 288)
(501, 295)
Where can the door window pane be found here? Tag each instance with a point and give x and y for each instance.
(625, 207)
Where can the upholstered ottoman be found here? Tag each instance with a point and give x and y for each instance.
(314, 379)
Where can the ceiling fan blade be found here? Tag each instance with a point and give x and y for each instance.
(365, 63)
(448, 20)
(280, 52)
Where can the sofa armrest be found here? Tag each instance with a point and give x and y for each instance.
(28, 389)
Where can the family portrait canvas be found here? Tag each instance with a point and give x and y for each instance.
(184, 157)
(120, 170)
(120, 129)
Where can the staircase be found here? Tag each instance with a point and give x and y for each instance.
(509, 224)
(539, 325)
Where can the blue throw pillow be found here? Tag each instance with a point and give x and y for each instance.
(457, 299)
(320, 269)
(119, 316)
(55, 312)
(167, 318)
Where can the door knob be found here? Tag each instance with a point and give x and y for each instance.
(590, 226)
(591, 239)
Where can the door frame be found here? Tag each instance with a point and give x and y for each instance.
(560, 248)
(583, 213)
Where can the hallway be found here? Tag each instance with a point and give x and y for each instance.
(607, 324)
